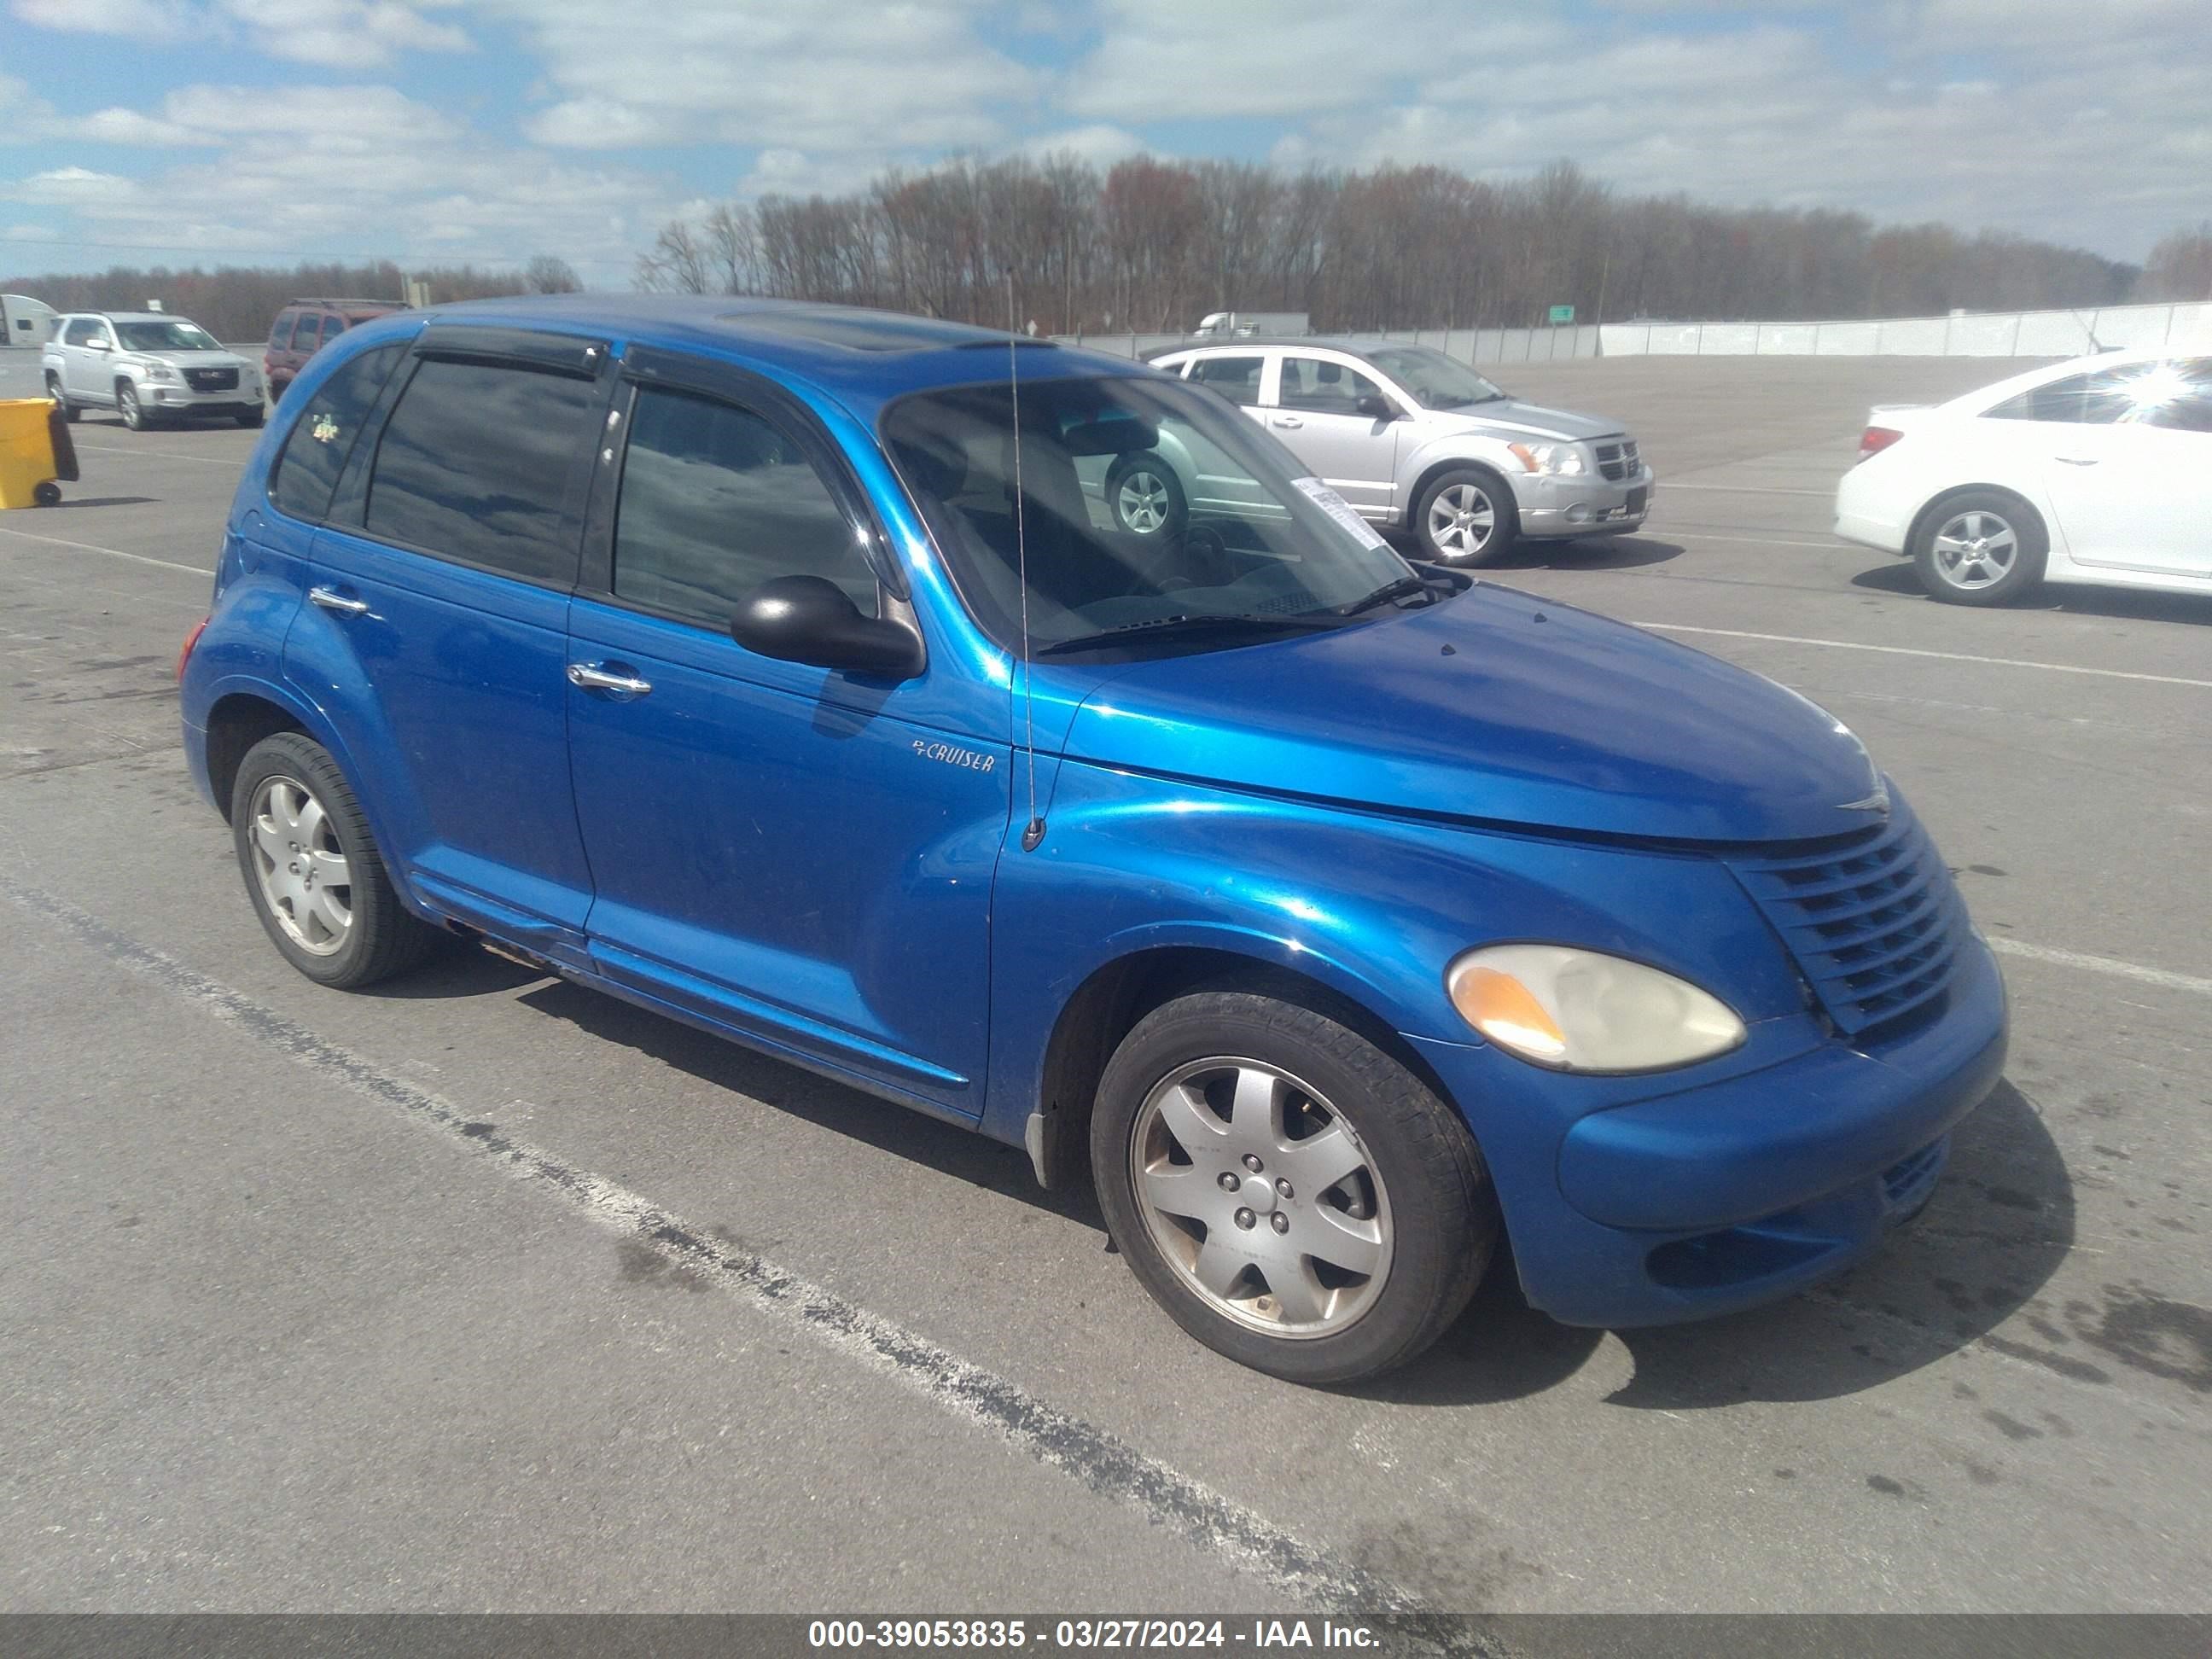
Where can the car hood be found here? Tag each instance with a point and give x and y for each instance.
(1494, 707)
(196, 359)
(1514, 420)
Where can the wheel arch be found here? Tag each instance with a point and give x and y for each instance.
(236, 721)
(1433, 470)
(1942, 498)
(1117, 994)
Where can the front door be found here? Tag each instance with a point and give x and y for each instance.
(802, 855)
(441, 579)
(1315, 411)
(2136, 493)
(88, 372)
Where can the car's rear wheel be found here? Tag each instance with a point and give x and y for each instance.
(1982, 548)
(1144, 495)
(1290, 1194)
(314, 870)
(71, 412)
(128, 406)
(1466, 517)
(251, 417)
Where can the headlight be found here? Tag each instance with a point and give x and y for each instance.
(157, 370)
(1580, 1011)
(1561, 460)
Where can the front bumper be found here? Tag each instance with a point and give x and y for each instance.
(1551, 505)
(176, 399)
(1718, 1198)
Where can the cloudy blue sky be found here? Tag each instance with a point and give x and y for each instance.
(133, 130)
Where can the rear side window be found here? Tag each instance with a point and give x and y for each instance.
(1235, 378)
(303, 334)
(280, 331)
(2096, 398)
(322, 437)
(480, 462)
(714, 502)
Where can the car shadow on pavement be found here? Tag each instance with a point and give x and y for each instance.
(2001, 1222)
(2123, 604)
(1593, 553)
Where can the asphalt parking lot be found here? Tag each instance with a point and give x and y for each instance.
(482, 1292)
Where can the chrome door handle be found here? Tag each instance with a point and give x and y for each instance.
(1288, 420)
(2077, 460)
(593, 678)
(331, 599)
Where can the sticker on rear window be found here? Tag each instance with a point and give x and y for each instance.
(1340, 510)
(325, 431)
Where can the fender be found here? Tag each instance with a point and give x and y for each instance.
(1463, 448)
(1372, 907)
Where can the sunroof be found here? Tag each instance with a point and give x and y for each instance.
(864, 331)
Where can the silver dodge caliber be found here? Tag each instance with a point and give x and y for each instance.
(1411, 438)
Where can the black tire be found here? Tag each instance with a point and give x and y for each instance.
(277, 390)
(1155, 504)
(128, 406)
(45, 492)
(1440, 1217)
(2006, 565)
(384, 938)
(71, 412)
(1483, 487)
(251, 417)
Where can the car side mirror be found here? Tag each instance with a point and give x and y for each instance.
(811, 620)
(1377, 407)
(96, 345)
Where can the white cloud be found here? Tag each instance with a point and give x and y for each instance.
(148, 20)
(335, 34)
(1099, 143)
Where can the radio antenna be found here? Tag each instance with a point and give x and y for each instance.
(1033, 831)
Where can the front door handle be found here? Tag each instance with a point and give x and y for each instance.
(593, 678)
(2076, 460)
(1288, 420)
(331, 599)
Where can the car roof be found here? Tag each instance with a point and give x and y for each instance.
(865, 358)
(1354, 345)
(379, 306)
(137, 316)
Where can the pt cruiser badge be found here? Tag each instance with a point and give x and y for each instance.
(953, 756)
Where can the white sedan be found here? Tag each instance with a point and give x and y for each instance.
(2099, 470)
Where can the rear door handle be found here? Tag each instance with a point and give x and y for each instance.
(331, 599)
(2077, 460)
(595, 676)
(1288, 420)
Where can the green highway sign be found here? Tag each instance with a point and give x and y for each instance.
(1562, 313)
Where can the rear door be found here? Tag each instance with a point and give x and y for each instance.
(2130, 476)
(442, 582)
(1314, 410)
(803, 855)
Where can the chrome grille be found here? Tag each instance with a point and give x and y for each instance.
(1871, 917)
(1616, 459)
(212, 380)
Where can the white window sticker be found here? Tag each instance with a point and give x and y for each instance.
(1340, 510)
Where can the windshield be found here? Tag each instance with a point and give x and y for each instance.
(165, 337)
(1142, 501)
(1432, 379)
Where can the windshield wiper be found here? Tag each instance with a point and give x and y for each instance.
(1192, 623)
(1404, 588)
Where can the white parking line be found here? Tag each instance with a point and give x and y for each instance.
(164, 454)
(1747, 541)
(2160, 976)
(1750, 490)
(1940, 656)
(115, 552)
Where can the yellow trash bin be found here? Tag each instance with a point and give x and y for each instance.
(35, 453)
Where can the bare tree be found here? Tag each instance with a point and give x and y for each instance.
(548, 273)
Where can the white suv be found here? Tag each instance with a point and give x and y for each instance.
(148, 367)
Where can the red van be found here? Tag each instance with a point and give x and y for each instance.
(305, 326)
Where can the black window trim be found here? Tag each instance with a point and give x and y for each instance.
(499, 348)
(648, 367)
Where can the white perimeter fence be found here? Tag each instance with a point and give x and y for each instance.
(1982, 334)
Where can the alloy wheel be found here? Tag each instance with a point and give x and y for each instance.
(1142, 503)
(1976, 549)
(1461, 519)
(1258, 1193)
(305, 879)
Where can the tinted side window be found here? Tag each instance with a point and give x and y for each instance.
(1325, 387)
(714, 502)
(1235, 377)
(2096, 398)
(81, 331)
(322, 437)
(280, 331)
(303, 334)
(479, 462)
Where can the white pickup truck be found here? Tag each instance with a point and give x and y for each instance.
(148, 367)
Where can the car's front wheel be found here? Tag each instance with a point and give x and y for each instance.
(1293, 1196)
(1466, 517)
(128, 406)
(1982, 548)
(314, 870)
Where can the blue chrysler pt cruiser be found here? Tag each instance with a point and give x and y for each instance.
(779, 668)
